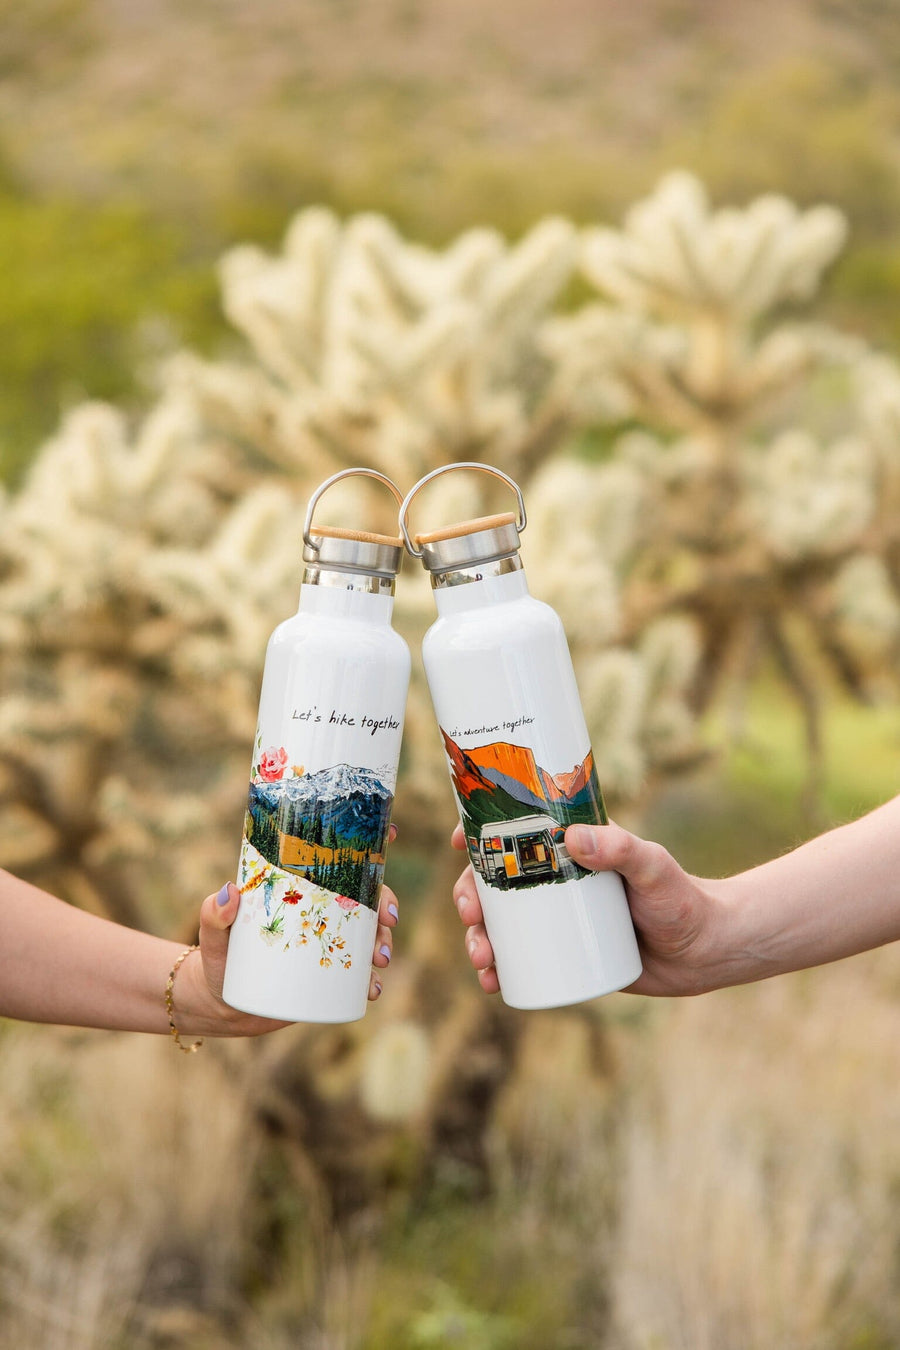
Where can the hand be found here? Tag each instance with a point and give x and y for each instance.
(676, 916)
(204, 1011)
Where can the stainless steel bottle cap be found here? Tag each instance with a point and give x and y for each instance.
(354, 551)
(464, 546)
(329, 548)
(469, 543)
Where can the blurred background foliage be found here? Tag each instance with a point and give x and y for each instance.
(138, 140)
(624, 1176)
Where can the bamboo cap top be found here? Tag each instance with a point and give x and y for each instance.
(465, 527)
(360, 536)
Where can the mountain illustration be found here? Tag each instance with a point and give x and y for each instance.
(330, 826)
(502, 781)
(508, 765)
(463, 770)
(350, 802)
(339, 780)
(569, 785)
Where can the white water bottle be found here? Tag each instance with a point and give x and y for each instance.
(520, 760)
(322, 783)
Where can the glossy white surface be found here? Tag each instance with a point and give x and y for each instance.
(333, 694)
(499, 669)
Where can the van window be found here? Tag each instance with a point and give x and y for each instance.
(507, 843)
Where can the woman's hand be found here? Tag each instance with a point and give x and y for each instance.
(201, 1010)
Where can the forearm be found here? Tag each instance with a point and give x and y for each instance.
(835, 896)
(60, 964)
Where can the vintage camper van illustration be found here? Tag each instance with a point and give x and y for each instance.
(514, 813)
(515, 852)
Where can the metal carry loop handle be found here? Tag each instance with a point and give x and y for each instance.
(447, 468)
(329, 482)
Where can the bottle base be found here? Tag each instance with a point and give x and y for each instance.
(313, 1018)
(571, 999)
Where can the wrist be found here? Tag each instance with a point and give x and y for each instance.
(739, 945)
(195, 1008)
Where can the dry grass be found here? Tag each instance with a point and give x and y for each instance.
(712, 1174)
(123, 1192)
(145, 1205)
(761, 1157)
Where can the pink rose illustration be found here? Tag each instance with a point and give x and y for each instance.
(346, 904)
(271, 763)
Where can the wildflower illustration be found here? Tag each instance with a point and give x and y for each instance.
(274, 928)
(272, 764)
(314, 924)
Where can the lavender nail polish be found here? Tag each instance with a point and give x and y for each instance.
(385, 951)
(393, 911)
(223, 897)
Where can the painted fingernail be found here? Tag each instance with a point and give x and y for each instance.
(393, 911)
(223, 897)
(378, 987)
(385, 952)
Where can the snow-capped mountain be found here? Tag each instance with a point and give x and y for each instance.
(334, 806)
(337, 781)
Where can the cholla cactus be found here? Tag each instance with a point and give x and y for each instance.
(136, 599)
(769, 467)
(141, 570)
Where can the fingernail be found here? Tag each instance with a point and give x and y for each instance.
(386, 952)
(582, 838)
(223, 897)
(471, 944)
(393, 911)
(378, 987)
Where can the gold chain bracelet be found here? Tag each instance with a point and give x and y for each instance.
(170, 1006)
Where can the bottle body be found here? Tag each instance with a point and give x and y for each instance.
(507, 703)
(315, 832)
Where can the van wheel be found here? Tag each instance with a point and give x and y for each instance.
(502, 880)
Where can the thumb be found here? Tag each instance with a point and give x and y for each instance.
(217, 914)
(609, 848)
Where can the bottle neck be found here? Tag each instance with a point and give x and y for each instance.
(348, 597)
(475, 571)
(347, 579)
(489, 584)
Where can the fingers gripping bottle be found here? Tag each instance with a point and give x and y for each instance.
(520, 760)
(322, 784)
